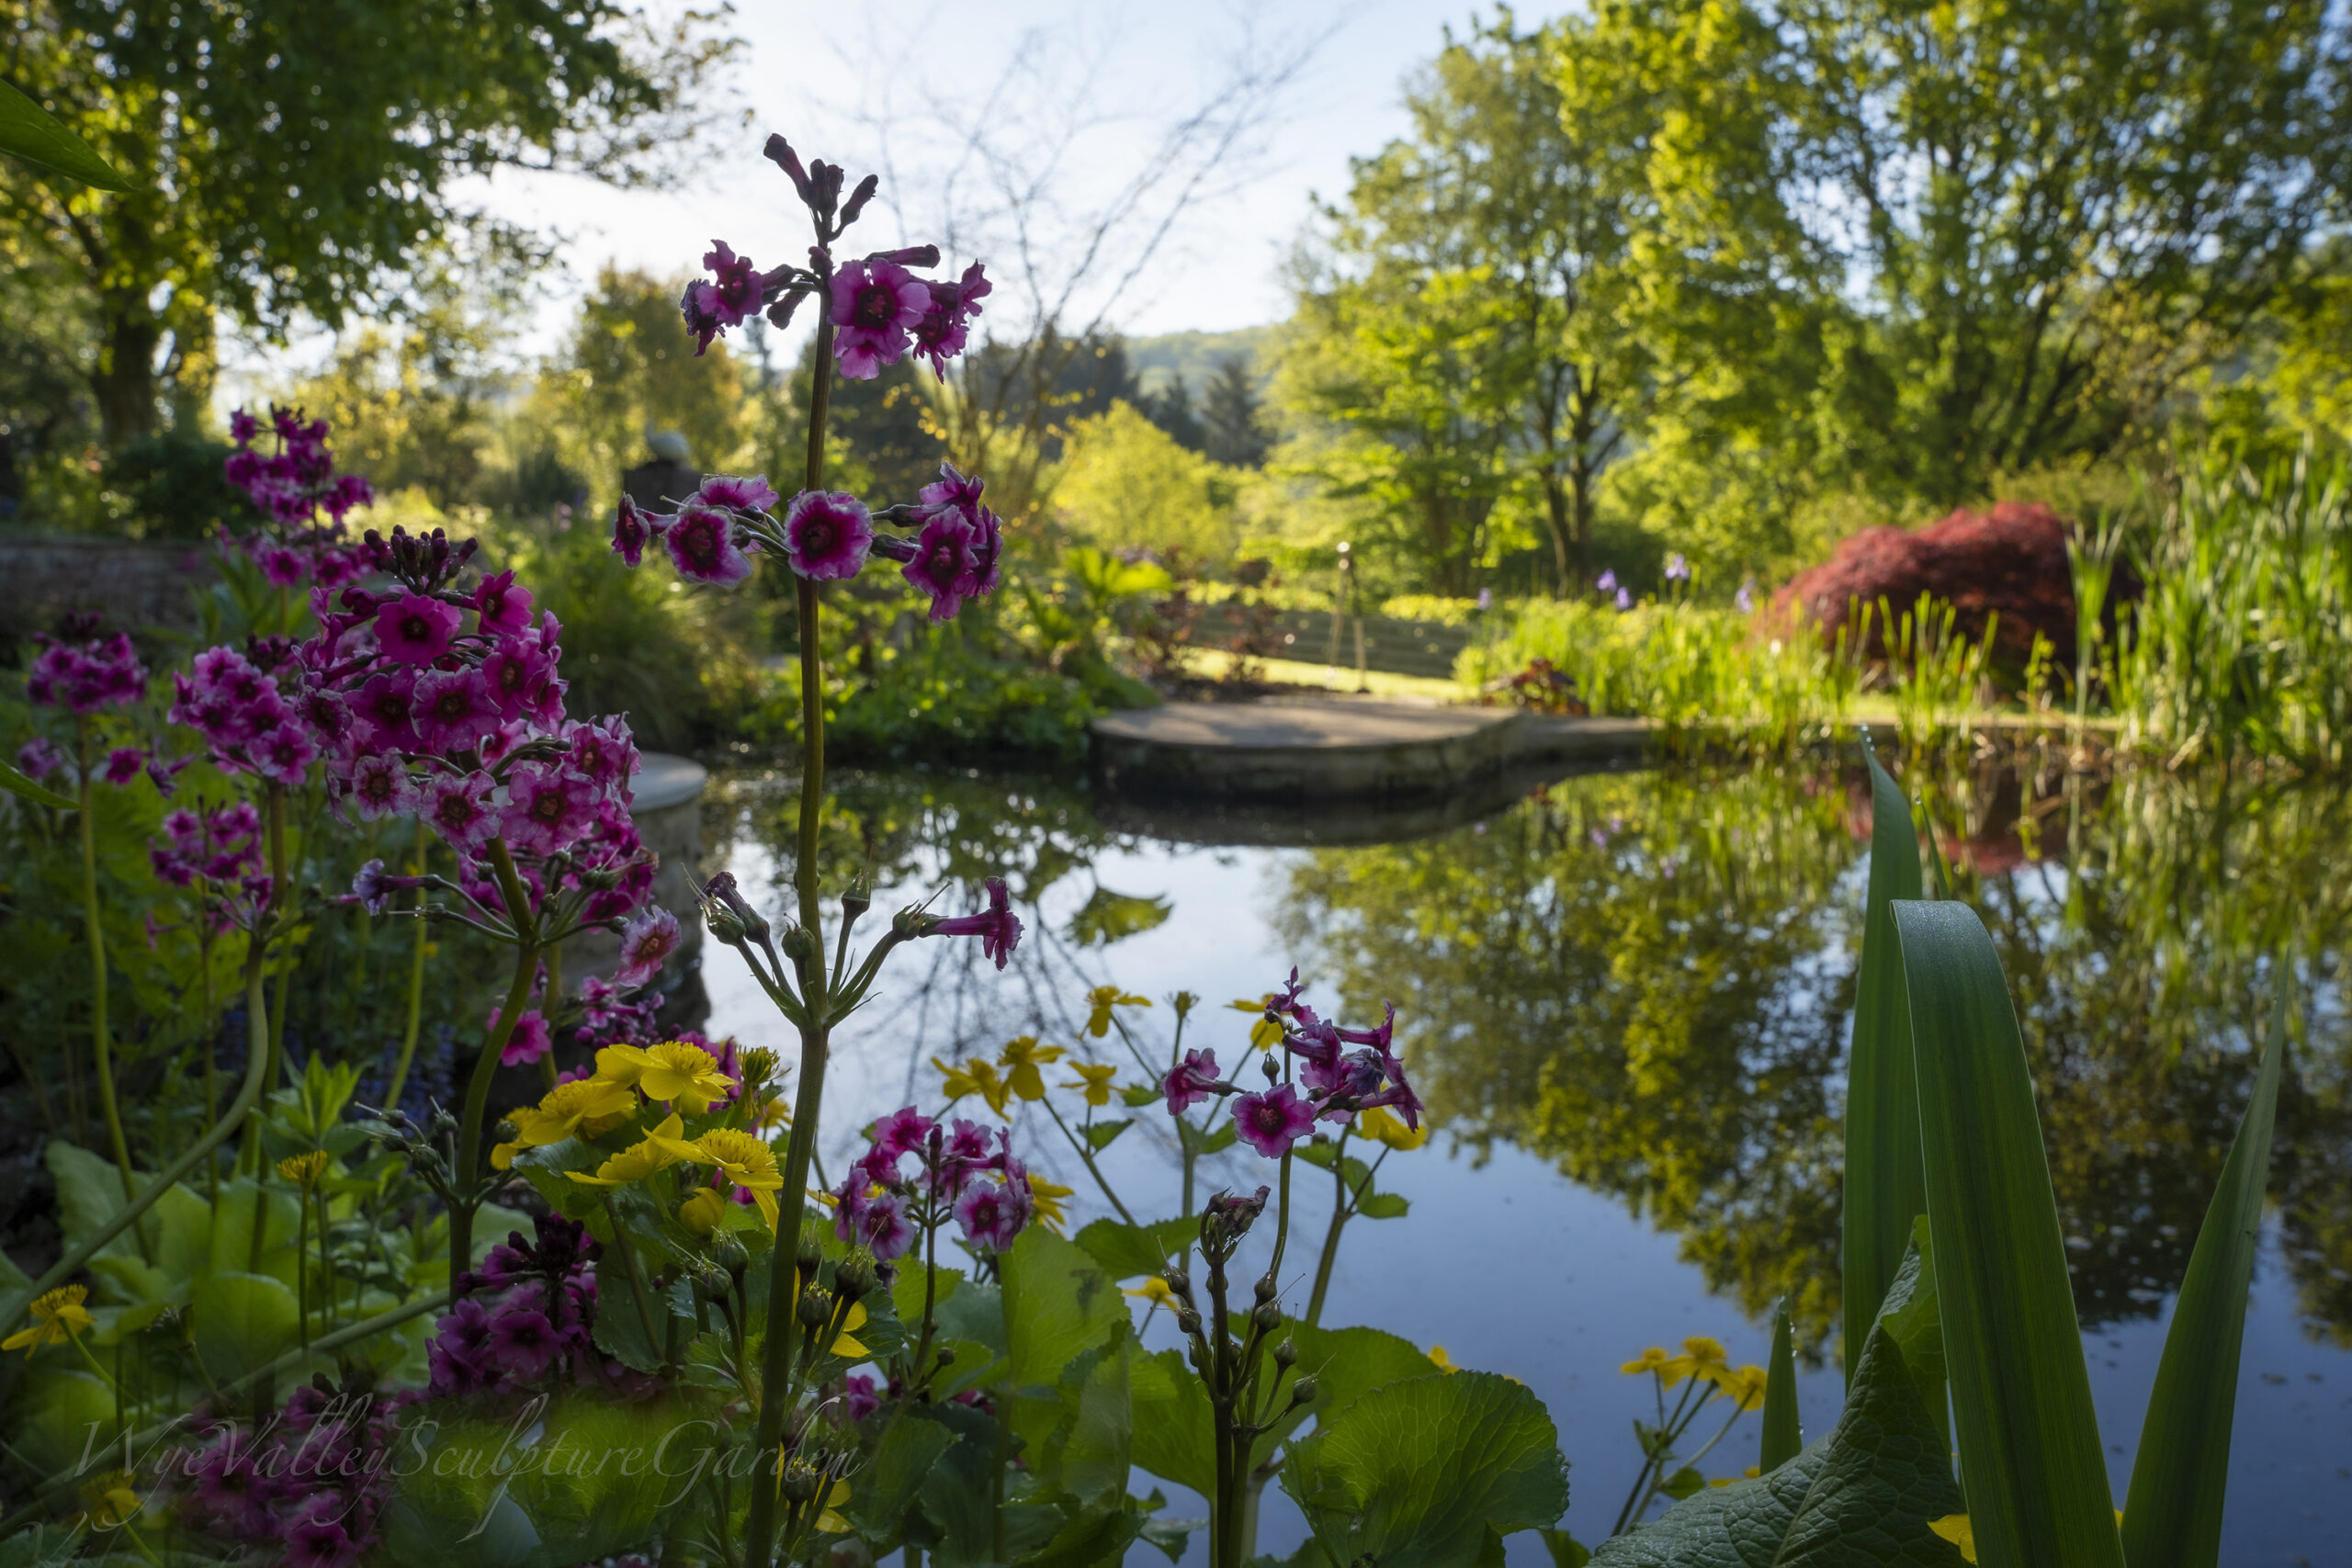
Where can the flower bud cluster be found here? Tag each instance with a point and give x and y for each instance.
(961, 1169)
(1339, 1082)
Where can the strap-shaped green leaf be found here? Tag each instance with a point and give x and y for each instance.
(17, 783)
(2173, 1517)
(2037, 1493)
(33, 134)
(1783, 1436)
(1885, 1188)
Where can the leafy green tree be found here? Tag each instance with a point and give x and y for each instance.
(289, 159)
(1126, 483)
(1233, 418)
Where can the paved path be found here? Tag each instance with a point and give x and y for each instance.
(1309, 750)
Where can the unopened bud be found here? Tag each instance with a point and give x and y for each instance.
(724, 927)
(1188, 1320)
(811, 1253)
(859, 198)
(800, 1482)
(814, 1307)
(1177, 1281)
(729, 1252)
(1184, 1002)
(798, 945)
(1268, 1316)
(1285, 1354)
(947, 1355)
(505, 1132)
(1266, 1065)
(853, 1276)
(710, 1283)
(1266, 1289)
(1303, 1390)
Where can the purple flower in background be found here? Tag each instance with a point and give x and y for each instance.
(1485, 599)
(529, 1042)
(945, 325)
(1191, 1080)
(943, 565)
(39, 757)
(283, 753)
(1678, 570)
(1607, 581)
(605, 753)
(502, 606)
(859, 1397)
(827, 534)
(904, 1132)
(647, 943)
(875, 303)
(1272, 1120)
(954, 493)
(123, 765)
(630, 531)
(452, 709)
(751, 493)
(524, 1343)
(701, 543)
(1745, 598)
(517, 675)
(416, 628)
(992, 1215)
(457, 807)
(99, 672)
(884, 1226)
(997, 927)
(1624, 599)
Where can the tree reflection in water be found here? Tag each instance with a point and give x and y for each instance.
(1646, 979)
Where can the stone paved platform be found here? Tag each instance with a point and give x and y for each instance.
(1307, 750)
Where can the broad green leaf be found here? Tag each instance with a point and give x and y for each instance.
(1684, 1482)
(14, 782)
(1885, 1188)
(1126, 1251)
(1415, 1473)
(957, 1495)
(2038, 1494)
(1910, 1317)
(1784, 1436)
(1100, 1135)
(1058, 1301)
(1347, 1364)
(2172, 1517)
(34, 134)
(1090, 1452)
(1135, 1097)
(885, 1486)
(1566, 1549)
(1219, 1138)
(1864, 1494)
(1107, 916)
(619, 1331)
(1174, 1424)
(1383, 1206)
(243, 1322)
(55, 1413)
(89, 1193)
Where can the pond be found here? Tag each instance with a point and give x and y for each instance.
(1626, 999)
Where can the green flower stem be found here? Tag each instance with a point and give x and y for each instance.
(302, 1267)
(470, 1154)
(1087, 1155)
(248, 1095)
(326, 1264)
(547, 1011)
(203, 1033)
(100, 1050)
(416, 978)
(778, 1386)
(634, 1268)
(1343, 1208)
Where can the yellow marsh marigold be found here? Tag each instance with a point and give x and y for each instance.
(1047, 1202)
(1153, 1291)
(1383, 1125)
(1100, 1001)
(976, 1076)
(740, 1157)
(656, 1151)
(702, 1212)
(1095, 1079)
(1264, 1035)
(58, 1316)
(304, 1168)
(686, 1075)
(114, 1501)
(1743, 1385)
(1021, 1059)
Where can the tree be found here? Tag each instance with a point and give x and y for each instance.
(290, 158)
(1126, 484)
(1172, 410)
(1233, 416)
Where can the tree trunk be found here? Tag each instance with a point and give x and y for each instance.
(1565, 544)
(124, 380)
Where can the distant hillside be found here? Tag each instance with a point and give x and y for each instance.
(1194, 355)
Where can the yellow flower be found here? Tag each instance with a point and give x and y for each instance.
(742, 1158)
(1441, 1360)
(976, 1076)
(831, 1520)
(1095, 1081)
(114, 1501)
(1654, 1359)
(1021, 1059)
(1955, 1529)
(1102, 999)
(1706, 1352)
(1744, 1386)
(657, 1151)
(1750, 1473)
(843, 1345)
(1048, 1197)
(1264, 1035)
(585, 1108)
(777, 1112)
(685, 1075)
(304, 1168)
(57, 1317)
(1383, 1125)
(702, 1212)
(1155, 1292)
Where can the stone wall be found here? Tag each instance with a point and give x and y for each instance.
(128, 585)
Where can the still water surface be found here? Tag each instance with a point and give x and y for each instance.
(1626, 999)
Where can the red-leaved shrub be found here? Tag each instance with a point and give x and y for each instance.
(2011, 559)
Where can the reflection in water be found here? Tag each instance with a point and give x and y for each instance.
(1646, 979)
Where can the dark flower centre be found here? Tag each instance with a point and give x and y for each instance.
(1268, 1116)
(452, 703)
(817, 535)
(547, 805)
(416, 628)
(701, 544)
(877, 306)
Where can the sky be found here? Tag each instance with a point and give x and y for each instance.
(1062, 102)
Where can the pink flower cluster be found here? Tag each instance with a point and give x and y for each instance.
(962, 1170)
(290, 488)
(222, 846)
(84, 677)
(313, 1481)
(527, 1315)
(1339, 1082)
(876, 309)
(951, 552)
(244, 716)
